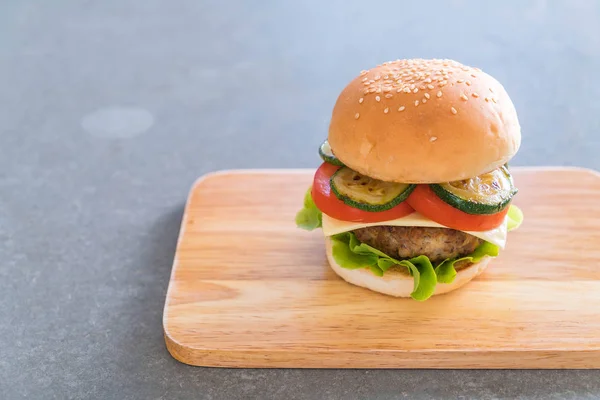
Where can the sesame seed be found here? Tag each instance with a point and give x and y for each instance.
(387, 89)
(422, 87)
(487, 99)
(428, 80)
(412, 86)
(426, 95)
(360, 100)
(468, 83)
(494, 100)
(365, 79)
(424, 101)
(401, 108)
(491, 90)
(356, 115)
(378, 90)
(389, 96)
(398, 90)
(386, 110)
(416, 103)
(433, 139)
(363, 72)
(430, 86)
(377, 98)
(463, 96)
(406, 90)
(453, 110)
(415, 90)
(378, 77)
(366, 91)
(386, 77)
(474, 94)
(439, 94)
(474, 76)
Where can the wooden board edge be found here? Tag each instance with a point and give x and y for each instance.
(327, 359)
(543, 168)
(525, 168)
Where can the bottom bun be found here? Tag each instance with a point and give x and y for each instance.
(396, 282)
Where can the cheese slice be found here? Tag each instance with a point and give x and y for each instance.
(332, 226)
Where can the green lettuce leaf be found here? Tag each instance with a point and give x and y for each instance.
(446, 272)
(515, 217)
(310, 217)
(349, 253)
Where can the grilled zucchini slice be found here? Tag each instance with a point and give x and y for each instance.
(489, 193)
(368, 194)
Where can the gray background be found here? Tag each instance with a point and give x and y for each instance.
(109, 110)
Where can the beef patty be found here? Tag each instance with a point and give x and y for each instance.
(411, 241)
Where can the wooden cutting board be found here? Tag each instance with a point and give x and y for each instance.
(249, 289)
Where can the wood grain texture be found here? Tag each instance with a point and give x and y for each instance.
(249, 289)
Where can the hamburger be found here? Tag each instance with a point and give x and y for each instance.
(414, 195)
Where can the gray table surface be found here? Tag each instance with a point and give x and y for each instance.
(109, 110)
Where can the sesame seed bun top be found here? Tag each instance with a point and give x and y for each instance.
(424, 121)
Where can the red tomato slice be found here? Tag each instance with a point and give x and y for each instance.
(329, 204)
(427, 203)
